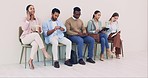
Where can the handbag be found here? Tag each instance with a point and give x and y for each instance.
(95, 36)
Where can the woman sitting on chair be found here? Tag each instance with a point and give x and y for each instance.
(95, 26)
(31, 28)
(114, 34)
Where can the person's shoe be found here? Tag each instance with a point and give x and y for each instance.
(56, 64)
(68, 63)
(117, 56)
(109, 54)
(81, 62)
(31, 66)
(101, 57)
(90, 60)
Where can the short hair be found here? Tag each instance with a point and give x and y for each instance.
(76, 9)
(55, 10)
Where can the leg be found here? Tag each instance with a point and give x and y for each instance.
(68, 44)
(54, 42)
(33, 52)
(102, 40)
(28, 39)
(79, 42)
(89, 40)
(33, 49)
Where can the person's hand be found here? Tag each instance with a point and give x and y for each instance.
(80, 34)
(97, 30)
(62, 29)
(39, 30)
(85, 34)
(57, 27)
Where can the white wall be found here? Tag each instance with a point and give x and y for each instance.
(133, 21)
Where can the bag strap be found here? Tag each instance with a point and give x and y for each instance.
(93, 24)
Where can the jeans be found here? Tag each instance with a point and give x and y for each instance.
(104, 42)
(80, 42)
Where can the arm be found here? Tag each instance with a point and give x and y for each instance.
(68, 26)
(25, 24)
(47, 32)
(83, 28)
(89, 27)
(62, 27)
(118, 29)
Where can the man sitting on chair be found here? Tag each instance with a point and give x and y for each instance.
(53, 32)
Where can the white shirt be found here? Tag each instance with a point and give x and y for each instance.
(54, 24)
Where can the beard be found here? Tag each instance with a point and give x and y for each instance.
(54, 19)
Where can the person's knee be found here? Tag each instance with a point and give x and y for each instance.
(80, 41)
(55, 43)
(91, 40)
(34, 44)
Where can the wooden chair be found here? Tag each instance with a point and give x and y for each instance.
(24, 48)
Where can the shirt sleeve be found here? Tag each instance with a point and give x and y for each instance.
(69, 31)
(89, 29)
(25, 24)
(63, 26)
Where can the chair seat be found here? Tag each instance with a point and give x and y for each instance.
(60, 44)
(26, 45)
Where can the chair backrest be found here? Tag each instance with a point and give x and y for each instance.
(20, 33)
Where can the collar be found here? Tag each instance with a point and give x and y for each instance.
(74, 18)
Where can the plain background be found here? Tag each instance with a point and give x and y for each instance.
(132, 20)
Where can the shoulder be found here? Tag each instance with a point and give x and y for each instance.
(69, 19)
(90, 21)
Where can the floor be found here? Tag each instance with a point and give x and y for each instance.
(134, 65)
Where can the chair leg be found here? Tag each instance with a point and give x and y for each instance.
(122, 49)
(38, 56)
(52, 58)
(59, 52)
(85, 50)
(44, 60)
(25, 57)
(95, 51)
(21, 55)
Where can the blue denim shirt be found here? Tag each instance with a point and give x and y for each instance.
(48, 26)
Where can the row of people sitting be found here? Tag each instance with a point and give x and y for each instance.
(53, 31)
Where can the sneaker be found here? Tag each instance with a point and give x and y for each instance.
(56, 64)
(68, 63)
(81, 62)
(90, 60)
